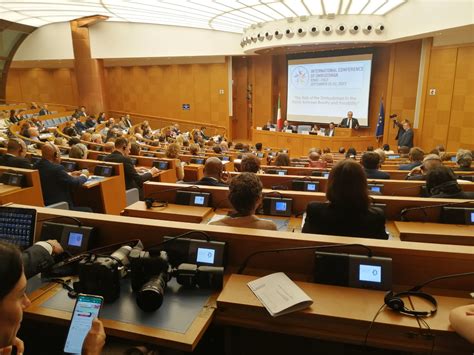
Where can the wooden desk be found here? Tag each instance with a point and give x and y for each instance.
(436, 233)
(30, 194)
(171, 212)
(342, 314)
(193, 172)
(181, 341)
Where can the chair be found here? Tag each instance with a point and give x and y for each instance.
(132, 196)
(63, 205)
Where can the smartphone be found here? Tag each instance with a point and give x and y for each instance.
(86, 309)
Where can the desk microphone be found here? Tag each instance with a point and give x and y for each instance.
(423, 208)
(314, 247)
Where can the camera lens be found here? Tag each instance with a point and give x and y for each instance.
(150, 297)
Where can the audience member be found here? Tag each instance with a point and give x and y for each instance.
(212, 173)
(348, 212)
(387, 149)
(416, 159)
(33, 133)
(56, 183)
(464, 160)
(78, 151)
(250, 163)
(406, 137)
(282, 160)
(172, 152)
(15, 155)
(381, 154)
(258, 147)
(109, 147)
(328, 158)
(315, 162)
(135, 148)
(403, 151)
(44, 110)
(268, 126)
(86, 137)
(90, 122)
(132, 178)
(371, 163)
(441, 182)
(245, 195)
(431, 161)
(341, 150)
(351, 153)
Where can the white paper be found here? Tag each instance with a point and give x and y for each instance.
(279, 295)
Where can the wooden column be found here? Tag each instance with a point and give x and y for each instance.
(89, 71)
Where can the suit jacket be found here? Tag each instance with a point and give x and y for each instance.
(345, 123)
(44, 112)
(209, 181)
(410, 165)
(15, 162)
(376, 174)
(80, 126)
(325, 218)
(330, 133)
(56, 183)
(406, 139)
(132, 178)
(36, 259)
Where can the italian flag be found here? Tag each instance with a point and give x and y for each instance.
(279, 119)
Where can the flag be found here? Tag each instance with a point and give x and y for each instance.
(279, 119)
(381, 121)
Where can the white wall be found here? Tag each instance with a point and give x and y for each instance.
(49, 42)
(132, 40)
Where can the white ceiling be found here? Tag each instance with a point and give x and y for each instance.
(221, 15)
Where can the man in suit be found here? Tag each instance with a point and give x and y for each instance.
(268, 126)
(371, 163)
(331, 130)
(287, 126)
(212, 173)
(132, 178)
(349, 121)
(39, 256)
(82, 112)
(406, 138)
(15, 155)
(44, 110)
(56, 183)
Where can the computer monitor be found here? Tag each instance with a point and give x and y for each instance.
(69, 165)
(376, 188)
(103, 170)
(393, 156)
(301, 185)
(17, 226)
(197, 160)
(161, 164)
(457, 215)
(277, 171)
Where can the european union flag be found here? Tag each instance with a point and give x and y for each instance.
(381, 121)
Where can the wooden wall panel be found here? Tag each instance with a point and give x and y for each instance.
(240, 119)
(438, 107)
(202, 91)
(262, 85)
(461, 125)
(219, 95)
(42, 85)
(186, 91)
(404, 85)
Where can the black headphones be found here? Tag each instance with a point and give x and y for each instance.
(442, 187)
(394, 302)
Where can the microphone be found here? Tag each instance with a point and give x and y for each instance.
(418, 287)
(423, 208)
(314, 247)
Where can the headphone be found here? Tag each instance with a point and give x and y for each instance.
(394, 302)
(151, 202)
(441, 187)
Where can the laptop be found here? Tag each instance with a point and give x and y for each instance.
(17, 226)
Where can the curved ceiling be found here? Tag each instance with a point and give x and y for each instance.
(221, 15)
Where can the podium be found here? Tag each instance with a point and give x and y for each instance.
(344, 132)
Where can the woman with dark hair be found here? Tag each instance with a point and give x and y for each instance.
(250, 164)
(101, 118)
(245, 195)
(441, 182)
(13, 301)
(351, 153)
(282, 160)
(348, 212)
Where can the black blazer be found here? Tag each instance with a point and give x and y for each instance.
(345, 123)
(44, 112)
(56, 183)
(36, 259)
(132, 178)
(325, 218)
(376, 174)
(209, 182)
(15, 162)
(406, 139)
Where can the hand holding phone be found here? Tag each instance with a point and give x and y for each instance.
(84, 324)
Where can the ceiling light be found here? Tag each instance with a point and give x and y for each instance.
(331, 6)
(356, 6)
(315, 7)
(389, 6)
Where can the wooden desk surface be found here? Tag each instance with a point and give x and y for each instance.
(169, 339)
(170, 212)
(342, 314)
(6, 189)
(436, 233)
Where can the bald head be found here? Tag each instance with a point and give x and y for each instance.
(50, 152)
(16, 147)
(213, 168)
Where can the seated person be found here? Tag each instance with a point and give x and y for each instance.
(371, 163)
(212, 173)
(387, 150)
(132, 178)
(259, 147)
(33, 133)
(315, 129)
(431, 161)
(78, 151)
(56, 183)
(250, 164)
(282, 160)
(348, 212)
(268, 126)
(315, 162)
(172, 152)
(462, 321)
(351, 153)
(381, 154)
(416, 159)
(194, 149)
(331, 131)
(287, 126)
(135, 148)
(39, 256)
(13, 301)
(442, 183)
(404, 151)
(15, 155)
(327, 158)
(464, 160)
(245, 195)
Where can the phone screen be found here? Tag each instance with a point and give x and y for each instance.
(86, 309)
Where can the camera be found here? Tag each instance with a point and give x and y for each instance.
(101, 274)
(149, 276)
(191, 276)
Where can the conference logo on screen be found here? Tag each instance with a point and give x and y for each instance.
(300, 77)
